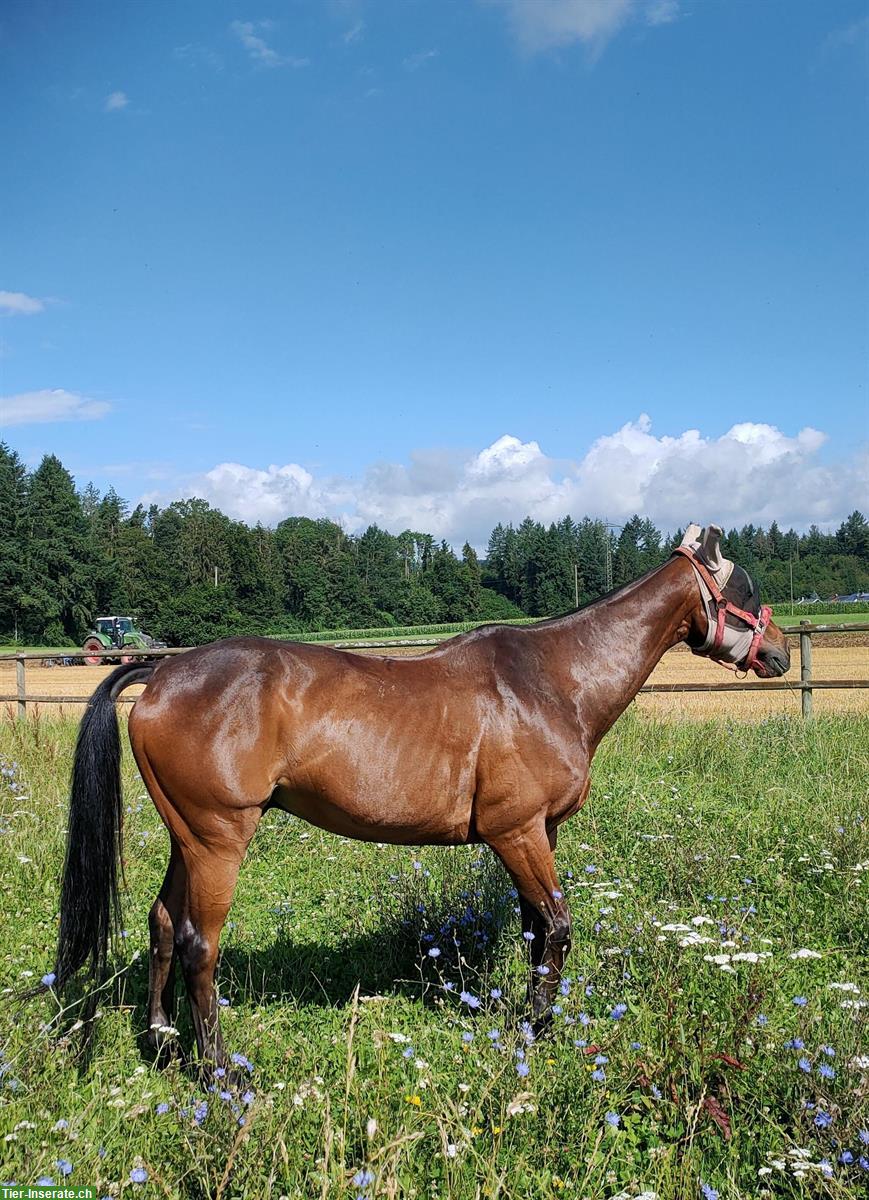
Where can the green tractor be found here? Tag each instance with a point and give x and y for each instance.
(116, 633)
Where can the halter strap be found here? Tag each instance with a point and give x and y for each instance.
(757, 623)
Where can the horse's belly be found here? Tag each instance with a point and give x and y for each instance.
(402, 822)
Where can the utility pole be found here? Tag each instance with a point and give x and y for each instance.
(215, 576)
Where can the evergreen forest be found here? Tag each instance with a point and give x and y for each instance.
(190, 574)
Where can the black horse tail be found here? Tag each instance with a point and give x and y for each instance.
(89, 901)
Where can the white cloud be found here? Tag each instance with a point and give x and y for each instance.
(413, 62)
(115, 101)
(354, 33)
(20, 304)
(754, 472)
(547, 24)
(662, 12)
(259, 49)
(49, 404)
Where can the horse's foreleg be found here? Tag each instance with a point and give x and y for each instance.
(527, 855)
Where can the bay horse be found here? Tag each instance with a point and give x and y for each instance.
(487, 738)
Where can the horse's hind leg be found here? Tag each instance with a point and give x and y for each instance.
(211, 873)
(162, 919)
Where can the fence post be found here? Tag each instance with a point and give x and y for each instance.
(806, 669)
(19, 680)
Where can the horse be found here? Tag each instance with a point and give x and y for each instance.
(487, 738)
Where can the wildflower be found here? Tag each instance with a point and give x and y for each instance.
(636, 1045)
(590, 870)
(223, 1002)
(45, 1181)
(829, 1051)
(408, 1053)
(470, 999)
(200, 1112)
(600, 1060)
(528, 935)
(564, 987)
(598, 1075)
(522, 1068)
(64, 1166)
(161, 1108)
(467, 1037)
(846, 1158)
(363, 1178)
(138, 1175)
(414, 1100)
(241, 1061)
(496, 993)
(62, 1123)
(707, 1191)
(542, 970)
(656, 1091)
(800, 1001)
(863, 1135)
(493, 1034)
(761, 1020)
(613, 1119)
(804, 1065)
(248, 1098)
(434, 952)
(49, 979)
(826, 1071)
(618, 1012)
(823, 1120)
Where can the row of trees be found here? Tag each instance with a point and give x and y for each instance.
(190, 574)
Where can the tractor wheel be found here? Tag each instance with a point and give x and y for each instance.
(93, 648)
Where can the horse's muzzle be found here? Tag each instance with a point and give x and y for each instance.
(772, 662)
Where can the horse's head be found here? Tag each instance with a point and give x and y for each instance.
(732, 626)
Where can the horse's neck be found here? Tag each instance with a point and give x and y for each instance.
(606, 652)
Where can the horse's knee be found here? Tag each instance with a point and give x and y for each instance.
(561, 928)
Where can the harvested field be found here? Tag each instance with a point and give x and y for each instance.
(834, 656)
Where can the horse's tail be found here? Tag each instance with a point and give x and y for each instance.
(89, 903)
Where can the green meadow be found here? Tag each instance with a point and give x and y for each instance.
(711, 1032)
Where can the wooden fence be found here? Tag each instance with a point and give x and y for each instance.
(805, 685)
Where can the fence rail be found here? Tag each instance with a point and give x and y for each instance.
(805, 686)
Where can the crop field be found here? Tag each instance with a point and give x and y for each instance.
(710, 1040)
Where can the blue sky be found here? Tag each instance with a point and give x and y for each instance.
(439, 264)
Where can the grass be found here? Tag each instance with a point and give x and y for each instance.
(366, 1061)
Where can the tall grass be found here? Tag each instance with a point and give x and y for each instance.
(380, 1069)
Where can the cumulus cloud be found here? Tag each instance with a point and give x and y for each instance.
(547, 24)
(49, 404)
(754, 472)
(259, 49)
(20, 304)
(115, 101)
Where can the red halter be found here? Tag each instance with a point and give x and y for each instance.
(758, 624)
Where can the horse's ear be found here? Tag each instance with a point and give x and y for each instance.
(692, 535)
(711, 548)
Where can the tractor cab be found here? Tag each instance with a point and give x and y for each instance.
(114, 628)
